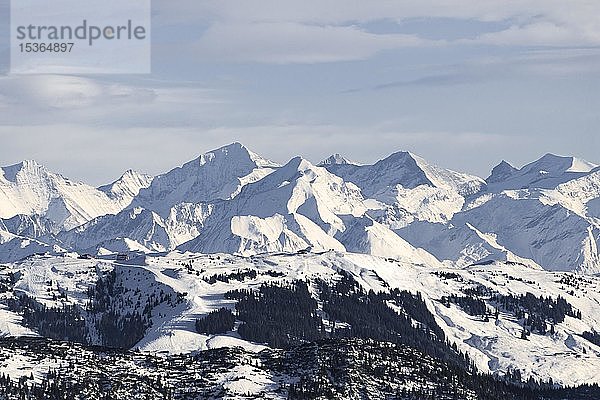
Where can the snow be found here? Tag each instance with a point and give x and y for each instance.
(549, 235)
(29, 188)
(245, 379)
(297, 206)
(410, 188)
(232, 200)
(401, 221)
(127, 187)
(336, 159)
(546, 173)
(15, 247)
(495, 346)
(10, 324)
(219, 174)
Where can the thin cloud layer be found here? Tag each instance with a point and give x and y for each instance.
(325, 31)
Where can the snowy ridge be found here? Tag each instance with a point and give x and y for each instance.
(231, 200)
(546, 173)
(219, 174)
(127, 187)
(28, 188)
(550, 235)
(138, 229)
(16, 247)
(409, 189)
(336, 159)
(494, 344)
(296, 207)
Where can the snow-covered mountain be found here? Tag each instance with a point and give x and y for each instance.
(298, 206)
(28, 188)
(33, 226)
(336, 159)
(490, 262)
(545, 173)
(127, 187)
(406, 188)
(406, 170)
(494, 342)
(219, 174)
(549, 235)
(138, 229)
(15, 247)
(232, 200)
(543, 212)
(171, 209)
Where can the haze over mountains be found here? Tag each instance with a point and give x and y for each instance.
(231, 200)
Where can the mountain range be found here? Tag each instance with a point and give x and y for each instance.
(231, 200)
(495, 275)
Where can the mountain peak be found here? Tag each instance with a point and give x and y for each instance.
(298, 164)
(132, 173)
(216, 174)
(547, 172)
(501, 172)
(10, 172)
(335, 159)
(124, 189)
(552, 163)
(29, 164)
(235, 151)
(128, 176)
(400, 155)
(233, 148)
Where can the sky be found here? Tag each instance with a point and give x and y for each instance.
(462, 83)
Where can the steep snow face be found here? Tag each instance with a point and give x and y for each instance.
(464, 184)
(550, 235)
(410, 189)
(138, 229)
(297, 206)
(219, 174)
(138, 225)
(186, 221)
(407, 170)
(366, 236)
(278, 233)
(33, 226)
(546, 173)
(28, 188)
(423, 203)
(300, 187)
(580, 194)
(124, 189)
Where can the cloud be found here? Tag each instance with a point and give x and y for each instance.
(45, 99)
(543, 33)
(530, 22)
(290, 42)
(336, 12)
(524, 64)
(446, 79)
